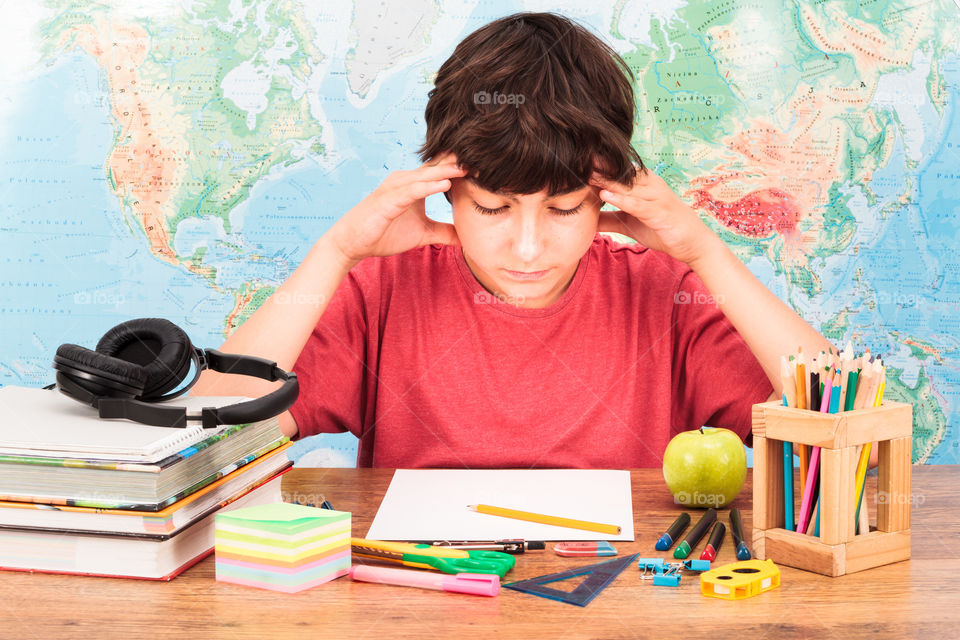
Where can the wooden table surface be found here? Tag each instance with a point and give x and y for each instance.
(918, 598)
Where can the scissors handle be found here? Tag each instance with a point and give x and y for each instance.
(478, 561)
(427, 556)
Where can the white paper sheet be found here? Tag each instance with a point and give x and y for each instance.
(431, 504)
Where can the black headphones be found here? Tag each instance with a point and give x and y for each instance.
(140, 362)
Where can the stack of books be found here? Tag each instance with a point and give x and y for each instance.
(116, 498)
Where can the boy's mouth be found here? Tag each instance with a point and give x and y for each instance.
(527, 275)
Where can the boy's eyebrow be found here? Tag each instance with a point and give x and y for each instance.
(502, 194)
(513, 198)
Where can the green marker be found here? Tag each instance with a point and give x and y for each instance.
(693, 538)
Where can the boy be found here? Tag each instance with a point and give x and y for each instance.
(518, 337)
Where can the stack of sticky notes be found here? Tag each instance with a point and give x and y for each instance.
(282, 547)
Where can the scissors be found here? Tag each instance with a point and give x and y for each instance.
(425, 556)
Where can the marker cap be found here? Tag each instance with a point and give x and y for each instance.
(477, 584)
(664, 543)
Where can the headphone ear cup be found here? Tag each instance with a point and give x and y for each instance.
(158, 346)
(96, 374)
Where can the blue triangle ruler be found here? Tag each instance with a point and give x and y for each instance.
(599, 576)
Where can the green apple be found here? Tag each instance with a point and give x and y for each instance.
(705, 467)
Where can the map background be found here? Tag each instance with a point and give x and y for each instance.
(320, 101)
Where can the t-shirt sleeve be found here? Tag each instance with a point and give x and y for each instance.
(716, 378)
(331, 366)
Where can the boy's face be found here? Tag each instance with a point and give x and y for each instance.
(525, 248)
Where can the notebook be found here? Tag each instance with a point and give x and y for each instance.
(42, 422)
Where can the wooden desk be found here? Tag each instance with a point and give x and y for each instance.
(915, 598)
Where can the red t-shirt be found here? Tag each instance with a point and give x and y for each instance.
(428, 369)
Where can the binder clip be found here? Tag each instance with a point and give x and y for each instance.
(649, 566)
(662, 574)
(669, 578)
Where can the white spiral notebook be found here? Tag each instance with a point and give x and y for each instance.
(46, 423)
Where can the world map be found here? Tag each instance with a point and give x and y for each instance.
(179, 159)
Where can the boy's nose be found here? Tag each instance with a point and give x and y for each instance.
(529, 241)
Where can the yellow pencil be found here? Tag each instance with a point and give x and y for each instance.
(583, 525)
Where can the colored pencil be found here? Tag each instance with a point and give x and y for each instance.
(851, 389)
(807, 503)
(788, 378)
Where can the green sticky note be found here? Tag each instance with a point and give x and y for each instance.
(282, 517)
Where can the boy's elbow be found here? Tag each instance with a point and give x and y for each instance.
(288, 425)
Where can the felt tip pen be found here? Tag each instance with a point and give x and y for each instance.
(696, 534)
(477, 584)
(736, 530)
(514, 547)
(678, 526)
(713, 544)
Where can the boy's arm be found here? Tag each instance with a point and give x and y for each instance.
(654, 216)
(770, 328)
(390, 220)
(281, 326)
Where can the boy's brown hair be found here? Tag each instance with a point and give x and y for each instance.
(534, 101)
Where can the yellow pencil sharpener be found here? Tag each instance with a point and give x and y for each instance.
(740, 580)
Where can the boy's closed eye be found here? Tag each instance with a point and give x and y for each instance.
(488, 211)
(492, 203)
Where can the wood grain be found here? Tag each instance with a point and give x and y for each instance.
(907, 599)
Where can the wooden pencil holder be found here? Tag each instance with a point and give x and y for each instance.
(837, 551)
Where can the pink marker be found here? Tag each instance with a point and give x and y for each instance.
(477, 584)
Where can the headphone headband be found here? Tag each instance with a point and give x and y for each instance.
(272, 404)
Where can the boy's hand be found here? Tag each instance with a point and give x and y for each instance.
(653, 215)
(392, 220)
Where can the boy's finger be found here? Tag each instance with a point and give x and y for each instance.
(598, 180)
(420, 190)
(437, 172)
(629, 202)
(618, 200)
(401, 197)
